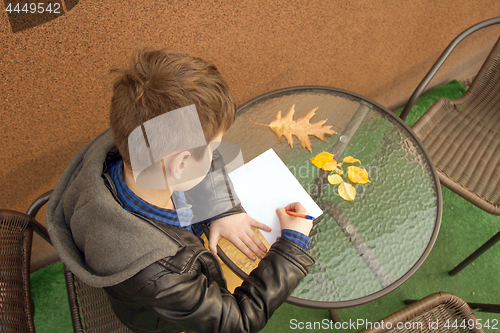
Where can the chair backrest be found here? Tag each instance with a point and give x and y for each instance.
(430, 314)
(15, 253)
(486, 85)
(463, 137)
(442, 58)
(481, 101)
(90, 308)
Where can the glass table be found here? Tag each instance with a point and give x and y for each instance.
(364, 248)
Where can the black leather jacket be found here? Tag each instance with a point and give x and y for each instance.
(187, 291)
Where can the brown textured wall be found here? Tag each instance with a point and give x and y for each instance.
(55, 86)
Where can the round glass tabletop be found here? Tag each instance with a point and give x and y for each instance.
(367, 247)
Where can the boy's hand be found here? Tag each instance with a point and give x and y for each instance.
(237, 229)
(294, 223)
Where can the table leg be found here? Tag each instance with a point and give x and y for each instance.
(334, 316)
(360, 245)
(349, 131)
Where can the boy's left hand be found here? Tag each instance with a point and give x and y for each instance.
(238, 230)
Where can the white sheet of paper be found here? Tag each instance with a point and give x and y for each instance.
(264, 184)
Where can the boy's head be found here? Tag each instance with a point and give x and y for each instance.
(159, 81)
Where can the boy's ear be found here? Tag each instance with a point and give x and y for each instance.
(178, 163)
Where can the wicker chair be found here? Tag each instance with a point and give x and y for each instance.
(16, 313)
(463, 136)
(16, 234)
(89, 306)
(421, 316)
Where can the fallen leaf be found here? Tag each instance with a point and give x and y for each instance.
(357, 175)
(330, 166)
(301, 128)
(321, 159)
(350, 159)
(347, 191)
(326, 161)
(335, 179)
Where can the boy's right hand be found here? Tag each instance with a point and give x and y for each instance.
(294, 223)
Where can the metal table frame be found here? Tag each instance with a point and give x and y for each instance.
(371, 297)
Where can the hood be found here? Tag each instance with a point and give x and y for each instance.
(98, 240)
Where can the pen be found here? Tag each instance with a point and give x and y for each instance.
(304, 216)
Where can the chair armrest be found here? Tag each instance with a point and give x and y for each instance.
(40, 230)
(420, 88)
(35, 206)
(33, 210)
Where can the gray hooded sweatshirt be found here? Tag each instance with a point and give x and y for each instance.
(94, 236)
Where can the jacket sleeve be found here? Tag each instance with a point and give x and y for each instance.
(192, 302)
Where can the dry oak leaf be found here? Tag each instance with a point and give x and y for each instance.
(301, 128)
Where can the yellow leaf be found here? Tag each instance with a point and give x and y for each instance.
(357, 175)
(286, 126)
(335, 179)
(347, 191)
(330, 166)
(350, 159)
(321, 159)
(339, 171)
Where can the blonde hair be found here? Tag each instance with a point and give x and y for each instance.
(159, 81)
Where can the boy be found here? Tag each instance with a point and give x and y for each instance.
(120, 215)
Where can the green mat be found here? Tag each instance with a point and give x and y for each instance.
(464, 228)
(48, 290)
